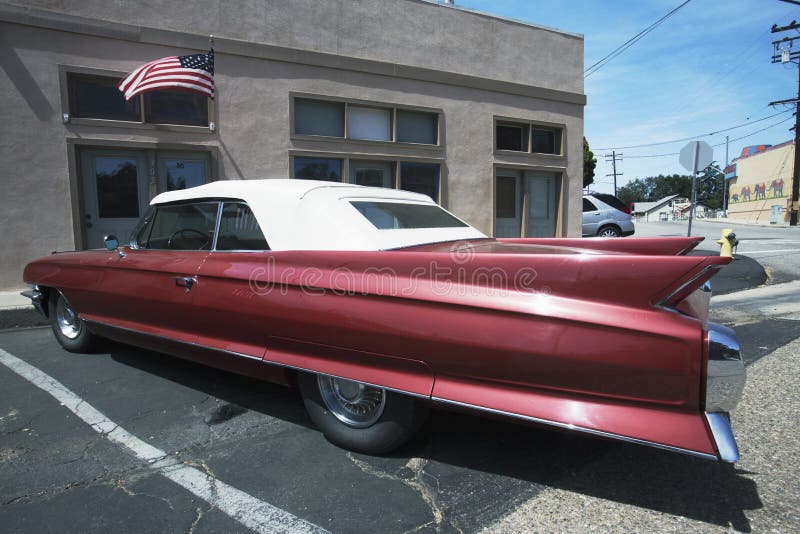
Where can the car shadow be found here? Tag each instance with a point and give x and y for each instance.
(475, 460)
(645, 477)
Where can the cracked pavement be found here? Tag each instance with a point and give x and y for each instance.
(460, 474)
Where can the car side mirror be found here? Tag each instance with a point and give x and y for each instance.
(111, 241)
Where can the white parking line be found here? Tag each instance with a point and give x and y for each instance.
(244, 508)
(767, 251)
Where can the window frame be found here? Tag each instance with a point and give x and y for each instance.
(561, 199)
(438, 116)
(66, 71)
(529, 125)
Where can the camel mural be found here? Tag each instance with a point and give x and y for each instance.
(745, 193)
(777, 187)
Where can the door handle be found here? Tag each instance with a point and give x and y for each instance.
(184, 281)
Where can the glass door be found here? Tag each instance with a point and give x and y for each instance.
(541, 204)
(181, 170)
(508, 204)
(114, 193)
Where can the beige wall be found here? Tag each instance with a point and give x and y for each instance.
(761, 169)
(41, 204)
(405, 32)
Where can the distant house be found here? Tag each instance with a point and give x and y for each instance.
(669, 208)
(660, 210)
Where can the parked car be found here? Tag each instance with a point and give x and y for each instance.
(605, 215)
(378, 303)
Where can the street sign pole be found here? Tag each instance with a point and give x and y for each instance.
(694, 156)
(694, 188)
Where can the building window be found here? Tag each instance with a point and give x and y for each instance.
(372, 173)
(417, 127)
(512, 137)
(97, 97)
(329, 170)
(312, 117)
(546, 141)
(372, 124)
(176, 107)
(364, 122)
(413, 176)
(94, 97)
(420, 178)
(527, 137)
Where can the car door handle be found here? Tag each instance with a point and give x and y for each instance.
(184, 281)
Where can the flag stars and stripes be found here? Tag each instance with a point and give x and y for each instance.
(194, 73)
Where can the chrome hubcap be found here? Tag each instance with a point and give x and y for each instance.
(608, 233)
(68, 321)
(353, 403)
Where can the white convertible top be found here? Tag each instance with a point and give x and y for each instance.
(315, 215)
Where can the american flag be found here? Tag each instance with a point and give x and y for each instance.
(194, 73)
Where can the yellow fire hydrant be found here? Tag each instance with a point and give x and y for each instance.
(726, 242)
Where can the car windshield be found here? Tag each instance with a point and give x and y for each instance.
(405, 215)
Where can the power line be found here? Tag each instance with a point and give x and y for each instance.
(717, 145)
(630, 42)
(694, 137)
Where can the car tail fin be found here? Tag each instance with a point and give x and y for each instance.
(688, 283)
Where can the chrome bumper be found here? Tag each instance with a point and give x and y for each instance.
(37, 299)
(724, 386)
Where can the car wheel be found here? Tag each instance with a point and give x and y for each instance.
(360, 417)
(70, 330)
(609, 231)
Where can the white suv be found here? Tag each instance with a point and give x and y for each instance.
(605, 216)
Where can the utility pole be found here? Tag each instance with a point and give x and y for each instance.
(783, 53)
(725, 182)
(614, 157)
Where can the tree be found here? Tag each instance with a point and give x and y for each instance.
(655, 188)
(710, 186)
(589, 163)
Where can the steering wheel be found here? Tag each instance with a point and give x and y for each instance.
(180, 233)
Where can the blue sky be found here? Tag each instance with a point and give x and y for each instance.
(706, 68)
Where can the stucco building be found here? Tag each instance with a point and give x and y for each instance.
(759, 180)
(483, 114)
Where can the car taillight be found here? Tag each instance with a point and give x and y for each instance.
(626, 210)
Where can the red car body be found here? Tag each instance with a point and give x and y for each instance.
(605, 336)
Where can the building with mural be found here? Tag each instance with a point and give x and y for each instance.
(758, 181)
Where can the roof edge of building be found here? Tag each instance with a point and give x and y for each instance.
(768, 149)
(58, 21)
(501, 18)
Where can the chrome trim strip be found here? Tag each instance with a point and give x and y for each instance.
(585, 430)
(662, 303)
(720, 424)
(248, 356)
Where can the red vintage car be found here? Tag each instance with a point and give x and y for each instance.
(378, 303)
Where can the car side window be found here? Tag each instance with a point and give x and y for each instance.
(239, 229)
(183, 227)
(588, 206)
